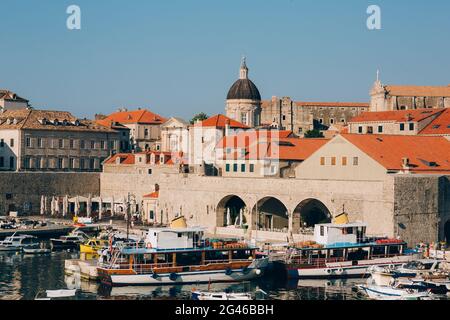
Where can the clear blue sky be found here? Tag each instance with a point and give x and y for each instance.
(179, 57)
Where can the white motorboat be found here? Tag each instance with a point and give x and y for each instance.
(53, 294)
(36, 250)
(18, 242)
(199, 295)
(393, 293)
(422, 267)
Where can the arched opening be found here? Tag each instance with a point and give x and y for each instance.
(229, 210)
(447, 232)
(270, 214)
(308, 213)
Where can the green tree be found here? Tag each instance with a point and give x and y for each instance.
(200, 116)
(314, 134)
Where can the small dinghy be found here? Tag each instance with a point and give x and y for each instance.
(52, 294)
(36, 250)
(393, 293)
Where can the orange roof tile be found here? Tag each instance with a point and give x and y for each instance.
(396, 116)
(220, 121)
(389, 150)
(136, 116)
(125, 158)
(418, 91)
(439, 126)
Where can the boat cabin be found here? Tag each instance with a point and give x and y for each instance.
(340, 234)
(171, 238)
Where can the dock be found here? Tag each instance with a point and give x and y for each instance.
(86, 269)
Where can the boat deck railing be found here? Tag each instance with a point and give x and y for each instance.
(323, 261)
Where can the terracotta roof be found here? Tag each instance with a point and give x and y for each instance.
(142, 116)
(439, 126)
(153, 195)
(397, 116)
(243, 139)
(125, 158)
(265, 145)
(220, 121)
(389, 150)
(418, 91)
(9, 95)
(31, 119)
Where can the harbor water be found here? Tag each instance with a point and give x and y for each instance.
(24, 276)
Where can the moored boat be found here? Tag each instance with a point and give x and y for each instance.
(92, 246)
(71, 241)
(344, 250)
(179, 256)
(200, 295)
(18, 243)
(394, 293)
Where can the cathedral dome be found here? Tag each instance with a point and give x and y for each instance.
(244, 88)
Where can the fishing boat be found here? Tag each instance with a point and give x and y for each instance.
(179, 256)
(343, 250)
(71, 241)
(93, 245)
(17, 243)
(396, 292)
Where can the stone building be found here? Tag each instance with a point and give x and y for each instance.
(11, 101)
(175, 135)
(396, 97)
(144, 125)
(40, 140)
(244, 104)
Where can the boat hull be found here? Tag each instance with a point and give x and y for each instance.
(255, 270)
(62, 245)
(344, 269)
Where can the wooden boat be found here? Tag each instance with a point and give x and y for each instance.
(179, 256)
(17, 243)
(343, 250)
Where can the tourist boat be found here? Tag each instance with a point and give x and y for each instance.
(179, 256)
(343, 250)
(17, 243)
(93, 245)
(71, 241)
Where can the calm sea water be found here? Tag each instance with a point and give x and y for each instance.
(24, 276)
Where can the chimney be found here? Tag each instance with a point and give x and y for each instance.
(405, 164)
(227, 127)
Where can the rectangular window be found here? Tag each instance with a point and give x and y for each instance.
(242, 167)
(71, 143)
(322, 161)
(369, 130)
(81, 164)
(111, 144)
(61, 143)
(322, 231)
(227, 167)
(252, 167)
(2, 162)
(91, 164)
(380, 129)
(146, 132)
(149, 171)
(28, 142)
(344, 161)
(60, 163)
(26, 163)
(102, 144)
(411, 126)
(355, 161)
(39, 142)
(360, 129)
(235, 167)
(331, 121)
(333, 161)
(11, 143)
(92, 144)
(71, 163)
(402, 127)
(38, 163)
(82, 144)
(11, 162)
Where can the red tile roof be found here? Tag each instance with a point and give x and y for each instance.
(389, 150)
(397, 116)
(220, 121)
(125, 158)
(418, 91)
(439, 126)
(142, 116)
(243, 139)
